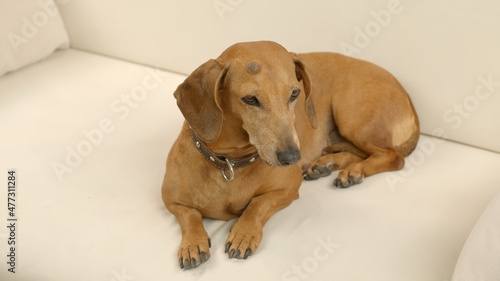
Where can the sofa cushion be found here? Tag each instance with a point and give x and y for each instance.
(89, 135)
(31, 30)
(480, 256)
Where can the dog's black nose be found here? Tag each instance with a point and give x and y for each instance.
(289, 156)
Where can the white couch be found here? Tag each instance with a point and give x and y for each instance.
(87, 130)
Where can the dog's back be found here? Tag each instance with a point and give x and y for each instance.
(352, 96)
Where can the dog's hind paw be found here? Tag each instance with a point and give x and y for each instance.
(346, 179)
(317, 171)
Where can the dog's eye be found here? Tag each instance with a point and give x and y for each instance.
(295, 94)
(251, 100)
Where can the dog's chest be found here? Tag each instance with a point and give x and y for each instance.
(224, 200)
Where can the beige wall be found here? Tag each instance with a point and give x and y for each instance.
(446, 53)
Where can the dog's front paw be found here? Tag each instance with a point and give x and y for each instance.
(242, 241)
(348, 177)
(193, 252)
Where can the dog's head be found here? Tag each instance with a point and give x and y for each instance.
(254, 85)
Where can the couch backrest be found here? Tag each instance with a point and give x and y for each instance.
(445, 53)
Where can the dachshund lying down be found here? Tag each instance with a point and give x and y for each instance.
(259, 120)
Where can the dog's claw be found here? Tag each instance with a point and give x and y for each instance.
(209, 243)
(340, 184)
(324, 170)
(204, 257)
(192, 255)
(350, 182)
(242, 241)
(237, 254)
(337, 183)
(313, 175)
(248, 252)
(189, 263)
(317, 171)
(310, 176)
(192, 263)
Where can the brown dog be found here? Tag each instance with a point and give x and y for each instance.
(247, 114)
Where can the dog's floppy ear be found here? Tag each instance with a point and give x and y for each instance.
(199, 100)
(301, 73)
